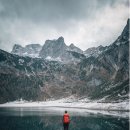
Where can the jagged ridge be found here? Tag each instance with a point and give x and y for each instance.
(105, 75)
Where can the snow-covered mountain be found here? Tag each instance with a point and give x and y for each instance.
(104, 76)
(31, 50)
(94, 51)
(52, 50)
(73, 48)
(57, 50)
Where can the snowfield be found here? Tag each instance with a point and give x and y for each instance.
(72, 103)
(82, 106)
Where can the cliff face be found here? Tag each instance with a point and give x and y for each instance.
(52, 50)
(57, 50)
(104, 75)
(108, 73)
(31, 50)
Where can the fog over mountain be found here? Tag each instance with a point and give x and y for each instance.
(85, 23)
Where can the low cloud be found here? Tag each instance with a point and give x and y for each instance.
(85, 23)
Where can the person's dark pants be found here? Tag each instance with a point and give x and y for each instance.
(66, 126)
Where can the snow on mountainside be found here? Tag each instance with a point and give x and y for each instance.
(57, 50)
(31, 50)
(94, 51)
(73, 48)
(101, 76)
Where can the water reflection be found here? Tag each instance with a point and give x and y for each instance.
(51, 119)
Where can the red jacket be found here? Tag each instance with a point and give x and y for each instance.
(66, 118)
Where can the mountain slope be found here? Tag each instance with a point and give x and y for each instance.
(108, 74)
(105, 75)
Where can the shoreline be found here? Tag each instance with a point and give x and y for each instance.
(122, 106)
(83, 108)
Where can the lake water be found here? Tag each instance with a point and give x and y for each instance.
(51, 119)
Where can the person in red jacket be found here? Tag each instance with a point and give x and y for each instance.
(66, 120)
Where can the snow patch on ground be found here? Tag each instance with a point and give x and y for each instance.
(49, 58)
(71, 102)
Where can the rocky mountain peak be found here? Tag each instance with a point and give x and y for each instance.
(53, 48)
(52, 43)
(17, 46)
(16, 49)
(58, 50)
(124, 37)
(31, 50)
(126, 32)
(94, 51)
(72, 45)
(60, 39)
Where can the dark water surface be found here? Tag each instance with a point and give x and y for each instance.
(51, 119)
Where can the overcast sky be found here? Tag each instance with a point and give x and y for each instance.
(86, 23)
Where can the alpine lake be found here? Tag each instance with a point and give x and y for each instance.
(48, 118)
